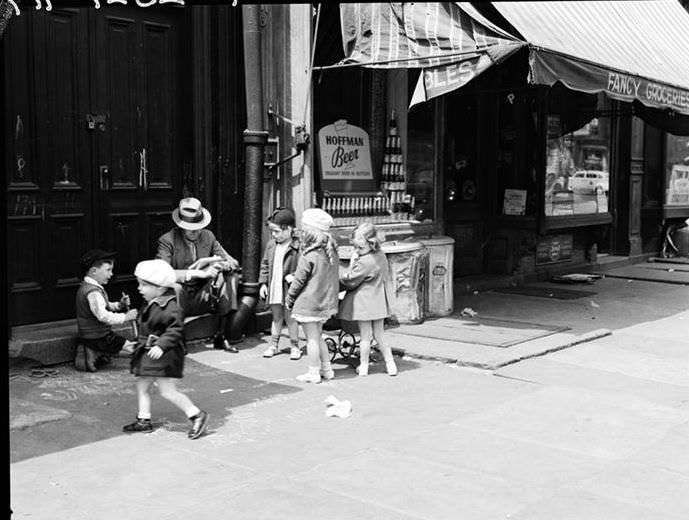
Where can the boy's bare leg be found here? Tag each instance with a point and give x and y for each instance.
(293, 330)
(273, 345)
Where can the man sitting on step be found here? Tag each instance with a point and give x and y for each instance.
(206, 272)
(96, 315)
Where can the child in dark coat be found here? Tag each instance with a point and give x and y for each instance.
(277, 272)
(159, 357)
(367, 297)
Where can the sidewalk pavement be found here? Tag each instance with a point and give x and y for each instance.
(593, 432)
(609, 303)
(533, 326)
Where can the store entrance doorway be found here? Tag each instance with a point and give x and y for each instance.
(462, 190)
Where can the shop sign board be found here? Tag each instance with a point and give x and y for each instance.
(345, 152)
(514, 202)
(547, 68)
(555, 248)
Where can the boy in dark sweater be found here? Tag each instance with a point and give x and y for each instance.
(96, 315)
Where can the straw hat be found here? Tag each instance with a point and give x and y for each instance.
(191, 215)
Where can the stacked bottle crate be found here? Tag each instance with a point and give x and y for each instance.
(393, 176)
(352, 208)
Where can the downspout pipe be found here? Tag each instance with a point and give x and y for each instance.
(255, 138)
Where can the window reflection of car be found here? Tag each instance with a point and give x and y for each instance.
(589, 181)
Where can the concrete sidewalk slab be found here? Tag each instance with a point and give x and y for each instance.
(481, 330)
(486, 357)
(600, 425)
(652, 272)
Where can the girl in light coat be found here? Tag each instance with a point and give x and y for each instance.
(367, 296)
(312, 296)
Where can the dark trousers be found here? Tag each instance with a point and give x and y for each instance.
(111, 343)
(217, 296)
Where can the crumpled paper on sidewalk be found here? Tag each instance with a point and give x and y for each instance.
(468, 312)
(337, 408)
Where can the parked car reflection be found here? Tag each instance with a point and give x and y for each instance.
(589, 181)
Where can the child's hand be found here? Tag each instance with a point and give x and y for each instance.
(155, 352)
(289, 278)
(263, 292)
(131, 315)
(289, 303)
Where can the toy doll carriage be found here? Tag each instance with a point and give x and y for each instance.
(342, 338)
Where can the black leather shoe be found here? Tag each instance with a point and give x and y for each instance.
(199, 423)
(103, 360)
(220, 343)
(91, 359)
(138, 426)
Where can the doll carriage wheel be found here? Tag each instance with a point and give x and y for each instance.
(332, 347)
(348, 344)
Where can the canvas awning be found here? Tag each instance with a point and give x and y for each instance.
(631, 50)
(450, 42)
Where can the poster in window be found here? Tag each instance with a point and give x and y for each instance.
(345, 153)
(514, 202)
(677, 192)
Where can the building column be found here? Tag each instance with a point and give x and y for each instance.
(300, 170)
(636, 184)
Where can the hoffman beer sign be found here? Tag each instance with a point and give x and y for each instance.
(345, 152)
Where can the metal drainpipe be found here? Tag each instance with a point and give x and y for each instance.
(255, 139)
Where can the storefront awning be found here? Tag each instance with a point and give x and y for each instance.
(631, 50)
(450, 42)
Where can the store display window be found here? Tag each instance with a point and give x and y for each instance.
(577, 179)
(676, 170)
(376, 159)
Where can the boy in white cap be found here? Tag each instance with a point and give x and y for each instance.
(201, 265)
(159, 357)
(312, 296)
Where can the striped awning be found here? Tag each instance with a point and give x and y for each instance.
(450, 42)
(631, 50)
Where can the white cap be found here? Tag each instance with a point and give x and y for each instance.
(158, 272)
(316, 218)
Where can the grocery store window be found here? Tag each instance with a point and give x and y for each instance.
(577, 180)
(421, 160)
(676, 170)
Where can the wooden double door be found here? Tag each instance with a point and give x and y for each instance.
(96, 123)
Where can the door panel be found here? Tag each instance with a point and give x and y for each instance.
(49, 186)
(94, 139)
(141, 145)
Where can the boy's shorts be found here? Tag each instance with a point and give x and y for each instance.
(111, 343)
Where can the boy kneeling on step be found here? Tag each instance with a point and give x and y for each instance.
(96, 315)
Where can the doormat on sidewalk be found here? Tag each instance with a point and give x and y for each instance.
(492, 332)
(545, 292)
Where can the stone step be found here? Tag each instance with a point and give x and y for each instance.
(50, 343)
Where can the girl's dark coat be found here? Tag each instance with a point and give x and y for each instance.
(164, 318)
